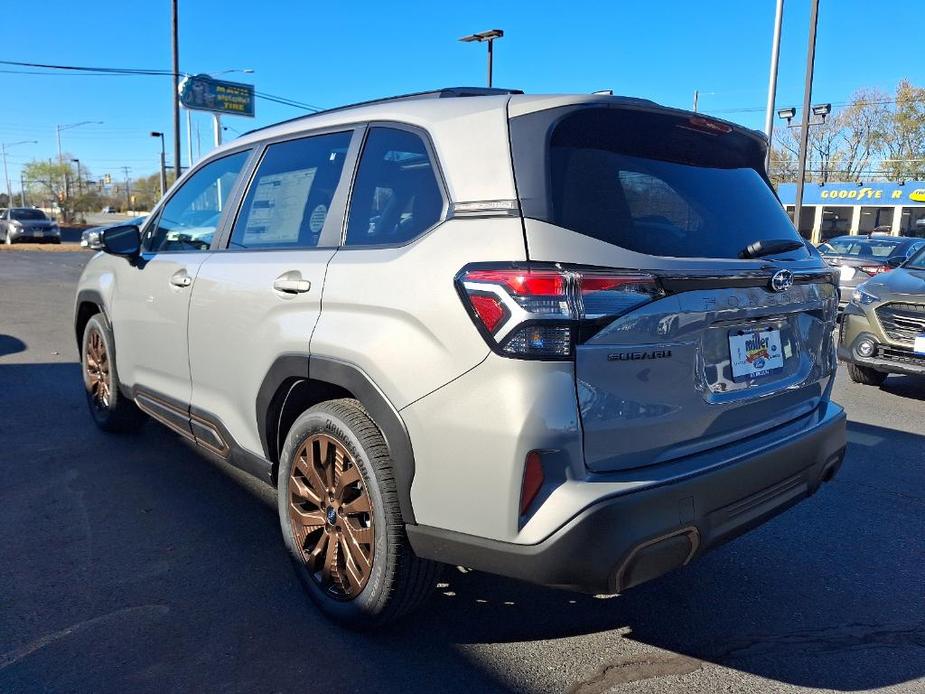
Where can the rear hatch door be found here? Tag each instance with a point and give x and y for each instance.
(734, 345)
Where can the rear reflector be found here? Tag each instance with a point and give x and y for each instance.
(533, 311)
(532, 482)
(489, 309)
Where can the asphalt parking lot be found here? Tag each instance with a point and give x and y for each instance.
(134, 564)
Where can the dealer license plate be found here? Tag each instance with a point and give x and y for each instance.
(755, 353)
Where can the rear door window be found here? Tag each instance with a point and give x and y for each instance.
(654, 183)
(288, 200)
(396, 196)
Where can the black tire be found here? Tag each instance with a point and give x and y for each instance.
(865, 375)
(114, 412)
(398, 581)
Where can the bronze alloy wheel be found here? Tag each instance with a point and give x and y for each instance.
(98, 376)
(331, 516)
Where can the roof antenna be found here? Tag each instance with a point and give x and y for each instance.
(604, 92)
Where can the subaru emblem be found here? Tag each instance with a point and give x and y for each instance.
(782, 281)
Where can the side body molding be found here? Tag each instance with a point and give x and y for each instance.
(292, 368)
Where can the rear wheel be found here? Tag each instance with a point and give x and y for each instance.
(109, 409)
(341, 522)
(866, 375)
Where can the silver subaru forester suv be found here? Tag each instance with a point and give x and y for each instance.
(569, 339)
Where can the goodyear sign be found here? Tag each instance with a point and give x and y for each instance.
(203, 93)
(912, 193)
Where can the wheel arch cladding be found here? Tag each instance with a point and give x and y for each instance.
(89, 303)
(296, 382)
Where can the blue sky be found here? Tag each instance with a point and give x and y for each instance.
(333, 53)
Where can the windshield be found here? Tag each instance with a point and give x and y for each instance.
(917, 262)
(861, 248)
(25, 214)
(654, 183)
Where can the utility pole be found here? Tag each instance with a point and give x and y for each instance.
(489, 38)
(80, 188)
(772, 80)
(128, 188)
(22, 190)
(804, 116)
(175, 43)
(217, 128)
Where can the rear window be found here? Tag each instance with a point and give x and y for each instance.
(653, 183)
(862, 248)
(27, 215)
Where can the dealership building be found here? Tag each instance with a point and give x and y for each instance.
(836, 209)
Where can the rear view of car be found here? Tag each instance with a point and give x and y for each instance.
(573, 339)
(858, 258)
(698, 326)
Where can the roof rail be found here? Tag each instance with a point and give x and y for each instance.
(445, 92)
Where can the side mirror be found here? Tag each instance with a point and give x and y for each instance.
(123, 240)
(895, 261)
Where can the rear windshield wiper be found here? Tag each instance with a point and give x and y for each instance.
(756, 249)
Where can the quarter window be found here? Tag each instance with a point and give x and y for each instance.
(189, 219)
(396, 196)
(289, 199)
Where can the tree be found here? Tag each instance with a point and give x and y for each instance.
(861, 124)
(46, 178)
(783, 167)
(902, 137)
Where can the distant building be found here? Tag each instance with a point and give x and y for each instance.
(835, 209)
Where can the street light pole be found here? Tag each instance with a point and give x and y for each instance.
(163, 163)
(772, 80)
(487, 37)
(175, 46)
(804, 116)
(6, 173)
(68, 126)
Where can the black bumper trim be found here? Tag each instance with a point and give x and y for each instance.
(592, 550)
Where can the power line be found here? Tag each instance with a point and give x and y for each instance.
(145, 72)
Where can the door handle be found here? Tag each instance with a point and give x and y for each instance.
(181, 279)
(291, 283)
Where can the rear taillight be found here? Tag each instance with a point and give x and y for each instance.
(875, 269)
(532, 311)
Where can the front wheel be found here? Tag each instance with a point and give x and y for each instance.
(109, 408)
(341, 522)
(865, 375)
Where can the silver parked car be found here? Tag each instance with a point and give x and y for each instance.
(529, 335)
(27, 224)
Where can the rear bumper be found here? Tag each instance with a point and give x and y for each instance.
(625, 540)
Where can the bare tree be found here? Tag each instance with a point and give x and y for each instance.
(861, 125)
(902, 139)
